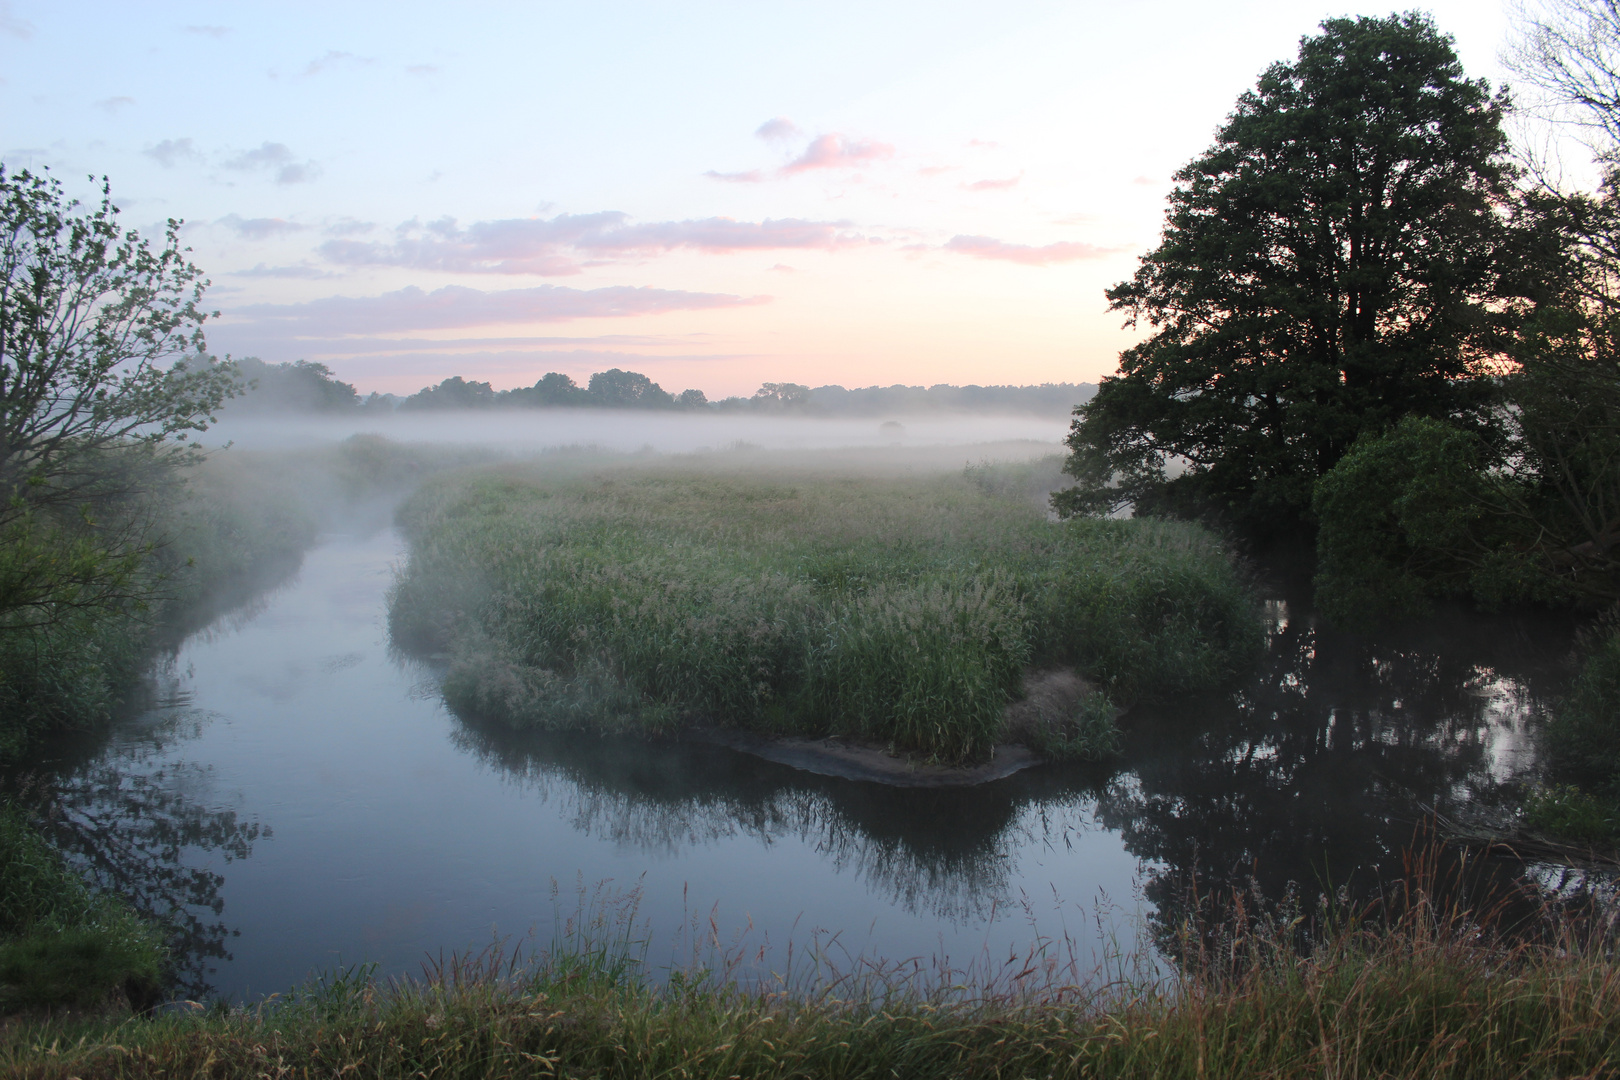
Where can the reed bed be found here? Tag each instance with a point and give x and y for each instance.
(903, 609)
(1430, 993)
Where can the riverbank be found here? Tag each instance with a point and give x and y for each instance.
(1431, 995)
(874, 599)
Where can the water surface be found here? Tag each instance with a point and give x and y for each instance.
(298, 797)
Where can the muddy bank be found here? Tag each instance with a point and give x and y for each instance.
(871, 762)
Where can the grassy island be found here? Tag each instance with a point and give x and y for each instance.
(821, 596)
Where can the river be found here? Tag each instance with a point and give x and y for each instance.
(296, 797)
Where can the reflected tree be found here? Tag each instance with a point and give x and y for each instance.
(1317, 776)
(948, 851)
(140, 823)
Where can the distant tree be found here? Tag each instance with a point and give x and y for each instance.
(782, 396)
(555, 388)
(453, 393)
(301, 386)
(1326, 268)
(103, 374)
(616, 389)
(693, 399)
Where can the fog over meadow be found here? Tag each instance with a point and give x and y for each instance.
(629, 431)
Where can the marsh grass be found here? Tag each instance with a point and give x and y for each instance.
(900, 608)
(1416, 988)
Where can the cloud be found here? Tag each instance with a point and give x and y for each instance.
(422, 69)
(994, 185)
(171, 152)
(988, 247)
(303, 271)
(778, 128)
(215, 32)
(348, 227)
(11, 24)
(455, 306)
(560, 245)
(1143, 181)
(837, 152)
(783, 268)
(334, 59)
(752, 176)
(983, 144)
(113, 104)
(260, 228)
(275, 157)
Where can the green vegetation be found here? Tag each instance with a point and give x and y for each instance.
(1428, 995)
(1327, 267)
(898, 608)
(60, 942)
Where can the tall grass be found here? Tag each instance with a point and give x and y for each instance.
(900, 608)
(1429, 993)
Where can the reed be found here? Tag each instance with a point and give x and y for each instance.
(904, 609)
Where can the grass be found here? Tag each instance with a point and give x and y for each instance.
(60, 942)
(1428, 993)
(903, 608)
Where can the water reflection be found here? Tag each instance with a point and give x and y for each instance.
(141, 821)
(948, 853)
(1319, 771)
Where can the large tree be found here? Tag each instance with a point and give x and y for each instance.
(102, 378)
(1328, 266)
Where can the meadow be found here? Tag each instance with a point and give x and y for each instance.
(882, 599)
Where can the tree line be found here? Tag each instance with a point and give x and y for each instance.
(304, 386)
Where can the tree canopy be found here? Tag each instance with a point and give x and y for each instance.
(103, 373)
(1328, 266)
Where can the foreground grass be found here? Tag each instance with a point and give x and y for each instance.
(1427, 998)
(903, 608)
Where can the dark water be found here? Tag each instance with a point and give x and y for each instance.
(297, 799)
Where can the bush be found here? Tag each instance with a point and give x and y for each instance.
(1582, 738)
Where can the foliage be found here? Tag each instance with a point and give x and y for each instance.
(1327, 267)
(61, 943)
(1567, 812)
(1582, 738)
(90, 416)
(896, 608)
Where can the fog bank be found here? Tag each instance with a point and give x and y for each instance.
(534, 430)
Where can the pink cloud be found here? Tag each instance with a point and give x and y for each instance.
(566, 243)
(995, 185)
(837, 152)
(1143, 181)
(455, 306)
(988, 247)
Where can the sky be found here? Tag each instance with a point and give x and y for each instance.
(715, 194)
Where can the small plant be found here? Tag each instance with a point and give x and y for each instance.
(1566, 812)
